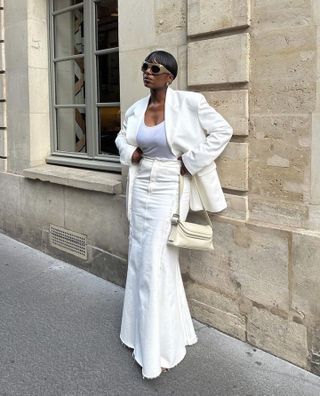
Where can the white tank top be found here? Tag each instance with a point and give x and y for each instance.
(153, 141)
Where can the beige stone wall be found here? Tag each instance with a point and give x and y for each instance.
(218, 66)
(3, 104)
(27, 83)
(314, 208)
(257, 62)
(28, 207)
(282, 99)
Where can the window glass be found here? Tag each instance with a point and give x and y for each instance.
(68, 29)
(59, 4)
(109, 126)
(71, 129)
(108, 78)
(85, 78)
(70, 88)
(107, 24)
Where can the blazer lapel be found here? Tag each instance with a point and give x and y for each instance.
(171, 109)
(136, 119)
(170, 113)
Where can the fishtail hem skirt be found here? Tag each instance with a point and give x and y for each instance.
(156, 320)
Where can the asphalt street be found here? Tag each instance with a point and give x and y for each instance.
(59, 335)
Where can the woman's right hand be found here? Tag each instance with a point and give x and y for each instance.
(137, 155)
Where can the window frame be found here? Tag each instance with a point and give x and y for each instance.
(92, 158)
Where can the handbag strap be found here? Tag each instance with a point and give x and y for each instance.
(181, 183)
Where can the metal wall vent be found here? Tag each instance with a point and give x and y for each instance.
(68, 241)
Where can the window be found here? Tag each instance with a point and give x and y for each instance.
(85, 83)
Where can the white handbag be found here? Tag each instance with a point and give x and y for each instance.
(190, 235)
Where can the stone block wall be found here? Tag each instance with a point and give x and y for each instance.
(261, 286)
(282, 99)
(29, 207)
(3, 105)
(256, 63)
(218, 66)
(27, 83)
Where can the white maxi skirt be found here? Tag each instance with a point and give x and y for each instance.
(156, 320)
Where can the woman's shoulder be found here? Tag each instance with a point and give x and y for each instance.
(188, 95)
(136, 104)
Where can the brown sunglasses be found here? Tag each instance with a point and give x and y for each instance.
(155, 68)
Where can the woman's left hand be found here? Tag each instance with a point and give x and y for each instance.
(183, 169)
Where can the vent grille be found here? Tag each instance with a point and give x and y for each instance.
(69, 241)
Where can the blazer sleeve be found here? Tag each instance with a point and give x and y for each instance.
(218, 132)
(125, 149)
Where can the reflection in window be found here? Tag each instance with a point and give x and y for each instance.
(69, 33)
(107, 24)
(108, 85)
(108, 81)
(71, 129)
(109, 126)
(70, 82)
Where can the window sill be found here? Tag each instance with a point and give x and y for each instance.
(112, 165)
(109, 183)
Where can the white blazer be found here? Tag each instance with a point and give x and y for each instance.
(194, 130)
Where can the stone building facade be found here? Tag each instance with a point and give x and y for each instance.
(258, 63)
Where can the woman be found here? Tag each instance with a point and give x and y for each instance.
(165, 134)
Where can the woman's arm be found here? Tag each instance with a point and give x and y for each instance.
(125, 149)
(219, 133)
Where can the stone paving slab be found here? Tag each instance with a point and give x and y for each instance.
(59, 335)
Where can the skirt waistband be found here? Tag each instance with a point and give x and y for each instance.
(162, 160)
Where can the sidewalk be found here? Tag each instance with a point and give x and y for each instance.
(59, 335)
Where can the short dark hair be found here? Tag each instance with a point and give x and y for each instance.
(165, 59)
